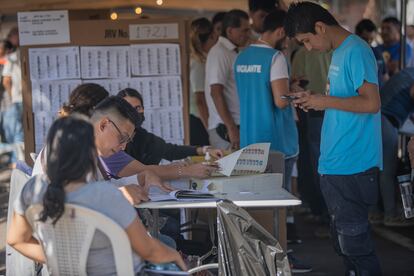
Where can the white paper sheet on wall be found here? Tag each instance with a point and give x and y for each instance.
(42, 123)
(55, 72)
(43, 27)
(159, 92)
(49, 96)
(54, 63)
(248, 160)
(166, 123)
(113, 85)
(99, 62)
(155, 59)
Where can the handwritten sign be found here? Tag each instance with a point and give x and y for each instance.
(153, 31)
(46, 27)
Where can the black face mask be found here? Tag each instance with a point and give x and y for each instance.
(140, 121)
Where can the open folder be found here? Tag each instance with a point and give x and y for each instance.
(248, 160)
(181, 195)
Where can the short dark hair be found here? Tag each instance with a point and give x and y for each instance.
(264, 5)
(131, 93)
(218, 17)
(365, 25)
(119, 106)
(302, 16)
(274, 20)
(392, 20)
(232, 19)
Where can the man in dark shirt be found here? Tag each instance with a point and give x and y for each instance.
(367, 30)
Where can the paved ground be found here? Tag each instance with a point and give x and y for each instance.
(395, 247)
(395, 259)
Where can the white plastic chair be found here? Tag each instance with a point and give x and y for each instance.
(66, 244)
(16, 263)
(203, 268)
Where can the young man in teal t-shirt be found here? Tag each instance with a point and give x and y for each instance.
(351, 145)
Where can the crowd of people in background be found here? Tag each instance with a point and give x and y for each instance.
(331, 100)
(11, 101)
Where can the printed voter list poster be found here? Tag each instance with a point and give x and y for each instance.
(58, 63)
(45, 27)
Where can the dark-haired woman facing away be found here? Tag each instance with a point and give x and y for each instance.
(69, 166)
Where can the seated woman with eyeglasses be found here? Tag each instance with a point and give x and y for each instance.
(70, 165)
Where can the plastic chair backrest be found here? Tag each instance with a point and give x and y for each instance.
(66, 244)
(16, 263)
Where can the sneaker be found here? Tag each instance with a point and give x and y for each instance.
(376, 218)
(398, 221)
(297, 266)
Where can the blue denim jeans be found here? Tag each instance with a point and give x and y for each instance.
(348, 198)
(13, 127)
(287, 176)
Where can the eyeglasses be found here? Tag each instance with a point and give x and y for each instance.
(122, 138)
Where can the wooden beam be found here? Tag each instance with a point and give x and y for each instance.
(12, 6)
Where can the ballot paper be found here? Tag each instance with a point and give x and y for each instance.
(249, 160)
(56, 63)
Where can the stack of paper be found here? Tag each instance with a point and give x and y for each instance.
(181, 195)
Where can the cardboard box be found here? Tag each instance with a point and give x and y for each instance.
(257, 183)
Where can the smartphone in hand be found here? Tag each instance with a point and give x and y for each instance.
(288, 97)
